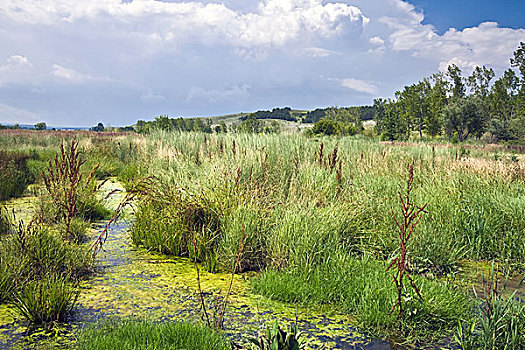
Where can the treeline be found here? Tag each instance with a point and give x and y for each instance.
(361, 112)
(276, 113)
(338, 121)
(163, 122)
(459, 107)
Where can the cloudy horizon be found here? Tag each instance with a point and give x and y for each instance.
(73, 63)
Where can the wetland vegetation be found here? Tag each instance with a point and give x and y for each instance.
(304, 222)
(197, 233)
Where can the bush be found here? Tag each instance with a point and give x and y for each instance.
(142, 334)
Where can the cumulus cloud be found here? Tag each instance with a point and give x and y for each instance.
(359, 85)
(485, 44)
(275, 23)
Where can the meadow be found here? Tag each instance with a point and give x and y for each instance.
(308, 221)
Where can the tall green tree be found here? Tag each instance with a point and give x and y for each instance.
(461, 118)
(437, 100)
(479, 83)
(457, 86)
(504, 105)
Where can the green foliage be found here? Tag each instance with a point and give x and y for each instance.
(364, 289)
(251, 125)
(184, 215)
(499, 324)
(14, 174)
(462, 118)
(163, 122)
(327, 126)
(276, 113)
(148, 335)
(47, 300)
(442, 103)
(40, 126)
(276, 338)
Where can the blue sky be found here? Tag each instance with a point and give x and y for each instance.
(469, 13)
(77, 63)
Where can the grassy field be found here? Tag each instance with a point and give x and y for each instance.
(314, 219)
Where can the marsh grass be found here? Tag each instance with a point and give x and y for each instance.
(14, 174)
(319, 210)
(499, 322)
(39, 271)
(129, 334)
(362, 288)
(47, 300)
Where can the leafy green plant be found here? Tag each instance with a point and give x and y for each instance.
(276, 338)
(500, 321)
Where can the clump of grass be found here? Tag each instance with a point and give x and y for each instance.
(364, 289)
(14, 174)
(34, 254)
(46, 300)
(132, 334)
(5, 222)
(183, 216)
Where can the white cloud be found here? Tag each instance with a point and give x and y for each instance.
(12, 115)
(377, 40)
(359, 85)
(16, 70)
(274, 24)
(214, 95)
(485, 44)
(72, 76)
(318, 52)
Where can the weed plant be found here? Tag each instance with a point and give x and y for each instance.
(131, 334)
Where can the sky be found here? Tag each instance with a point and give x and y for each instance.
(77, 63)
